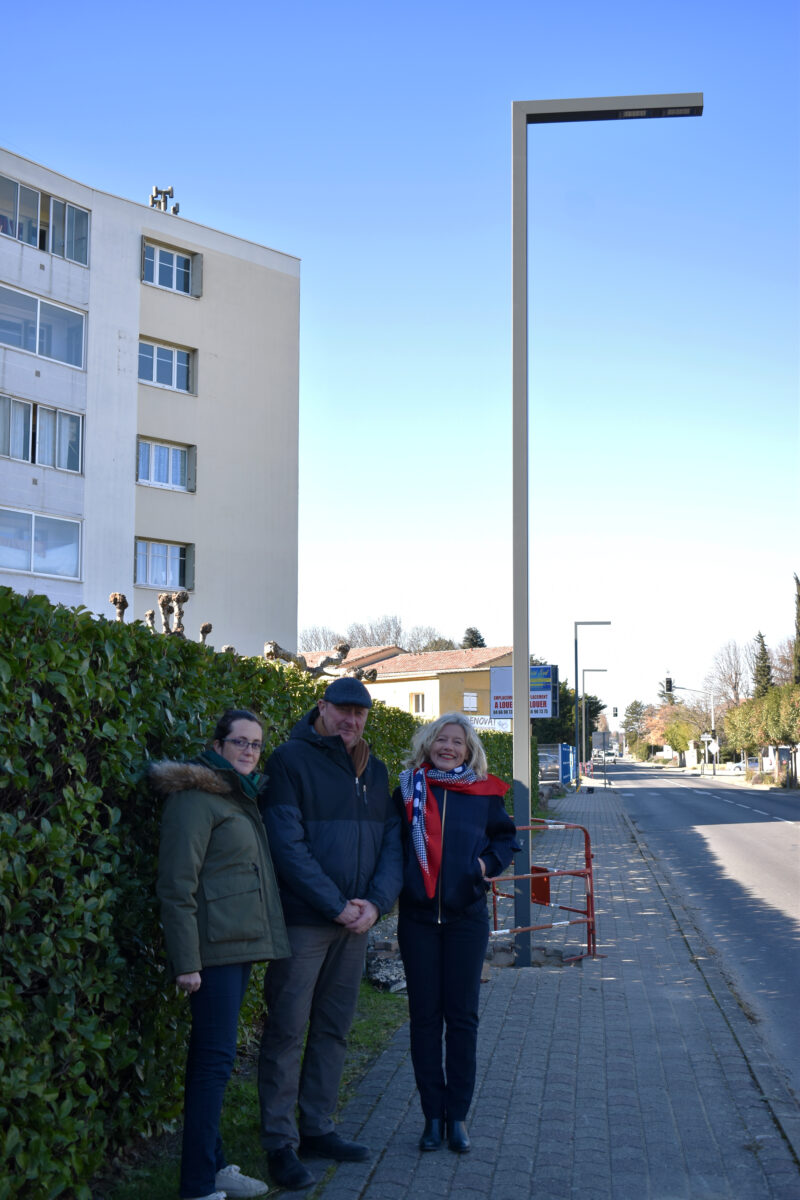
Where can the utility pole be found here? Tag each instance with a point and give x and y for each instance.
(671, 686)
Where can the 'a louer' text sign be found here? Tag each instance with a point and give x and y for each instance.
(502, 702)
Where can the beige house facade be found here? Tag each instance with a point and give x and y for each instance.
(148, 409)
(436, 682)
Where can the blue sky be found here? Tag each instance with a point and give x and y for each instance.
(373, 142)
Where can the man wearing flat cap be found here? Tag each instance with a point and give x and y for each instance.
(335, 841)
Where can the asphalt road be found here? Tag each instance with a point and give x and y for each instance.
(733, 853)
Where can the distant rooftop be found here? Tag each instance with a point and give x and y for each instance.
(437, 661)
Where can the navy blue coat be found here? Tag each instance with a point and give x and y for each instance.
(334, 836)
(474, 826)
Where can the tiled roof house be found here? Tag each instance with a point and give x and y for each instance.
(439, 681)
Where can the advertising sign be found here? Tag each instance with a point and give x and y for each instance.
(541, 691)
(498, 723)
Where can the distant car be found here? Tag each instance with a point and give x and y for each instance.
(548, 766)
(610, 756)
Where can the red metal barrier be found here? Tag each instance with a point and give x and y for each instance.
(540, 891)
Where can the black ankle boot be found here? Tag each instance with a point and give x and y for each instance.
(457, 1137)
(431, 1135)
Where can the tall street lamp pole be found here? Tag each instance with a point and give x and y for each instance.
(523, 114)
(577, 744)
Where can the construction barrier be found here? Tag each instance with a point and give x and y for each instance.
(540, 878)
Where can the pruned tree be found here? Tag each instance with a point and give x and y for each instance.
(473, 639)
(762, 667)
(120, 602)
(796, 655)
(332, 663)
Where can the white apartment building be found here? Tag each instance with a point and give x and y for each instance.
(148, 410)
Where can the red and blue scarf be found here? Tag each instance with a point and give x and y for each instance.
(423, 811)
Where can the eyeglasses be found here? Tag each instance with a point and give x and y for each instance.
(244, 744)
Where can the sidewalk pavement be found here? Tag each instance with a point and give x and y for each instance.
(634, 1076)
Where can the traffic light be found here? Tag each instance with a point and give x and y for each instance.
(668, 684)
(613, 712)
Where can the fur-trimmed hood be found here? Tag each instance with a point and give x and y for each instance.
(168, 777)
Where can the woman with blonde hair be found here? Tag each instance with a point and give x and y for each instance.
(457, 835)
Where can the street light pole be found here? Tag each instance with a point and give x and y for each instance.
(702, 692)
(584, 672)
(523, 114)
(577, 743)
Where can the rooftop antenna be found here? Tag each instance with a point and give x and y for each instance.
(158, 199)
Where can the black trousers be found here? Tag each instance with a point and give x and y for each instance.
(443, 974)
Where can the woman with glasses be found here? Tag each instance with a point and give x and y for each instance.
(221, 912)
(457, 834)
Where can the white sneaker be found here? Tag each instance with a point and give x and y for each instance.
(212, 1196)
(236, 1185)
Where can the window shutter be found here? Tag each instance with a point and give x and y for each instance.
(197, 274)
(191, 469)
(189, 582)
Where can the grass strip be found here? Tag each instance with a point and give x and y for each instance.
(152, 1169)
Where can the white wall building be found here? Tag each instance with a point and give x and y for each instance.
(148, 410)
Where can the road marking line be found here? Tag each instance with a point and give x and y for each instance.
(761, 812)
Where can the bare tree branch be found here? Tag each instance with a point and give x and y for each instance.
(729, 678)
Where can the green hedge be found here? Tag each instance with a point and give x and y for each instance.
(91, 1036)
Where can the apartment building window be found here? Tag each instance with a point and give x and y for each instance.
(165, 366)
(163, 464)
(49, 330)
(43, 545)
(470, 702)
(37, 433)
(417, 705)
(44, 221)
(164, 564)
(15, 429)
(172, 268)
(167, 269)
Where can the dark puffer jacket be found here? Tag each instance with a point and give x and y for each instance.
(334, 836)
(219, 897)
(473, 827)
